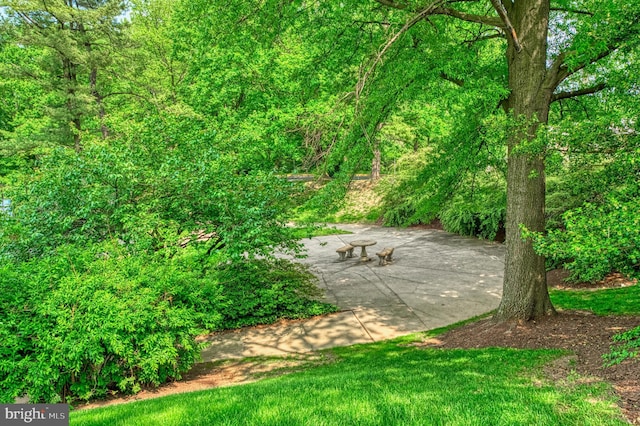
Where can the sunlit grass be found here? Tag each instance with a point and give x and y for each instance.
(385, 384)
(613, 301)
(399, 383)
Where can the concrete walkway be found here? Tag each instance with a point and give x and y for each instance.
(436, 279)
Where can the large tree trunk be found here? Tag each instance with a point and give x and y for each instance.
(525, 294)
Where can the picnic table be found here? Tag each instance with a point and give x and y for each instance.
(363, 244)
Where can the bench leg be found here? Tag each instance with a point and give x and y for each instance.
(341, 254)
(350, 255)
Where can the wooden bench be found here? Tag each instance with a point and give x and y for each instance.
(385, 256)
(346, 251)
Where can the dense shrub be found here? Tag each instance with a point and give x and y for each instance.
(404, 214)
(474, 219)
(596, 239)
(81, 323)
(150, 196)
(260, 292)
(115, 258)
(405, 200)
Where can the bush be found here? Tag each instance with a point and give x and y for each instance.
(474, 220)
(82, 323)
(626, 345)
(596, 240)
(104, 284)
(261, 292)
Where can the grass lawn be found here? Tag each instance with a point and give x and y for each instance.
(397, 383)
(385, 384)
(611, 301)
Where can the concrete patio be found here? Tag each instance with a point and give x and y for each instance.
(435, 279)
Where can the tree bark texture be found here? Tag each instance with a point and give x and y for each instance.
(525, 295)
(375, 165)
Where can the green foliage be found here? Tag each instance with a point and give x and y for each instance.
(474, 219)
(592, 192)
(457, 176)
(81, 323)
(153, 189)
(626, 345)
(478, 207)
(404, 214)
(597, 239)
(440, 181)
(400, 200)
(127, 251)
(71, 48)
(258, 292)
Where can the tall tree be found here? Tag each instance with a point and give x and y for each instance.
(77, 39)
(550, 49)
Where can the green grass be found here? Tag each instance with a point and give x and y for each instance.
(614, 301)
(400, 383)
(320, 231)
(386, 384)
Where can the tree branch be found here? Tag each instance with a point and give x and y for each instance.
(575, 93)
(497, 5)
(559, 71)
(456, 81)
(478, 19)
(498, 34)
(567, 10)
(417, 18)
(564, 71)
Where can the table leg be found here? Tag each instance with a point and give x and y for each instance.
(364, 257)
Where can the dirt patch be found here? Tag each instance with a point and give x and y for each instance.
(557, 279)
(361, 199)
(208, 375)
